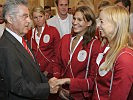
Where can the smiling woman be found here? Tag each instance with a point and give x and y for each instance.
(115, 70)
(81, 49)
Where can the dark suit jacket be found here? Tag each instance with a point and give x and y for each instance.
(22, 77)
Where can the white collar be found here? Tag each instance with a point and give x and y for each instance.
(37, 31)
(71, 52)
(61, 19)
(19, 38)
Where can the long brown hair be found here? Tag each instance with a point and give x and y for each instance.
(89, 16)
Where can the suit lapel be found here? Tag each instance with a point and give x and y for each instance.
(21, 49)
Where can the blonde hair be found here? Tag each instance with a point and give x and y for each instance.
(38, 9)
(118, 16)
(86, 3)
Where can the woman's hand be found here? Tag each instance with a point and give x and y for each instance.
(63, 81)
(56, 83)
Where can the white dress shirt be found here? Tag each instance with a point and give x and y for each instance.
(37, 38)
(2, 27)
(19, 38)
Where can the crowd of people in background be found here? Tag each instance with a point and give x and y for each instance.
(78, 54)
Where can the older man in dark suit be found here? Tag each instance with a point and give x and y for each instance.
(19, 73)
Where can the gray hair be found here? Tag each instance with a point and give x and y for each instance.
(11, 7)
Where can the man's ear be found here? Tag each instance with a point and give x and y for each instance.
(9, 19)
(89, 23)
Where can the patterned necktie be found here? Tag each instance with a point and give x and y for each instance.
(26, 47)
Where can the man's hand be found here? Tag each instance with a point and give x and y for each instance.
(53, 88)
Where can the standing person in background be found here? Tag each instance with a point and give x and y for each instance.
(19, 72)
(77, 65)
(62, 21)
(47, 10)
(2, 23)
(44, 40)
(127, 5)
(114, 80)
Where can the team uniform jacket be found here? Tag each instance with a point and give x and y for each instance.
(122, 80)
(46, 50)
(76, 68)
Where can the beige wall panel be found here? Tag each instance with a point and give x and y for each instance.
(49, 2)
(2, 1)
(33, 3)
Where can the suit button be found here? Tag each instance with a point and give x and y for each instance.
(1, 79)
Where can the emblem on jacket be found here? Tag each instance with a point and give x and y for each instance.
(46, 38)
(102, 72)
(82, 55)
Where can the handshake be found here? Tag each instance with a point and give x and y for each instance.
(55, 84)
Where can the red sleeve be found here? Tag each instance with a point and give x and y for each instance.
(59, 65)
(87, 84)
(78, 85)
(56, 64)
(56, 40)
(123, 77)
(28, 35)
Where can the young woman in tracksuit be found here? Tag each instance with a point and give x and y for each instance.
(75, 63)
(44, 40)
(114, 78)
